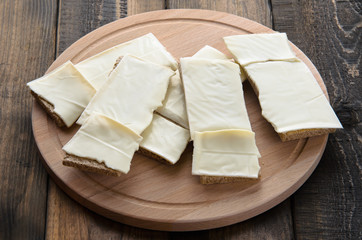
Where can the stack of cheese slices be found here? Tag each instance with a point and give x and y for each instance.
(133, 96)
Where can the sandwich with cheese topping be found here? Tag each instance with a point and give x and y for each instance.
(289, 95)
(126, 103)
(224, 144)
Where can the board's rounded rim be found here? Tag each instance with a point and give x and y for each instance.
(180, 224)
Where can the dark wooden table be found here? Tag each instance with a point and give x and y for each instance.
(34, 32)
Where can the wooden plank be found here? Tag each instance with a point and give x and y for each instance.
(69, 220)
(276, 223)
(77, 18)
(232, 204)
(27, 40)
(140, 6)
(329, 205)
(65, 217)
(258, 10)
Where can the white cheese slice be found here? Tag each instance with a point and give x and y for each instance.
(106, 141)
(174, 106)
(290, 97)
(224, 144)
(212, 53)
(66, 89)
(97, 67)
(133, 91)
(165, 139)
(214, 95)
(162, 57)
(231, 153)
(252, 48)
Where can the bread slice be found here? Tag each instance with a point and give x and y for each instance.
(304, 133)
(49, 108)
(222, 179)
(141, 150)
(150, 154)
(89, 165)
(297, 134)
(164, 140)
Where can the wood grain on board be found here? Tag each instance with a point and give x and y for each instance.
(329, 205)
(27, 38)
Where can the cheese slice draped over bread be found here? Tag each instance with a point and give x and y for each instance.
(66, 89)
(229, 153)
(133, 91)
(106, 141)
(165, 139)
(224, 144)
(212, 53)
(252, 48)
(97, 67)
(174, 107)
(290, 96)
(214, 95)
(162, 57)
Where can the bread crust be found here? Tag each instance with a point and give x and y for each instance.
(304, 133)
(89, 165)
(49, 108)
(150, 154)
(223, 179)
(297, 134)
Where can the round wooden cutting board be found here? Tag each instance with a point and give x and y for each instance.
(161, 197)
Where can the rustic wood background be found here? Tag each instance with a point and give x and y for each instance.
(34, 32)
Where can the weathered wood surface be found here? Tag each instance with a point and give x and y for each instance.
(65, 217)
(231, 204)
(256, 10)
(279, 223)
(140, 6)
(31, 34)
(27, 40)
(329, 205)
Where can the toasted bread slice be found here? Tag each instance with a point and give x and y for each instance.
(89, 165)
(49, 108)
(150, 154)
(304, 133)
(222, 179)
(297, 134)
(164, 140)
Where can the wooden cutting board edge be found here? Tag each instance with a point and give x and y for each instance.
(182, 224)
